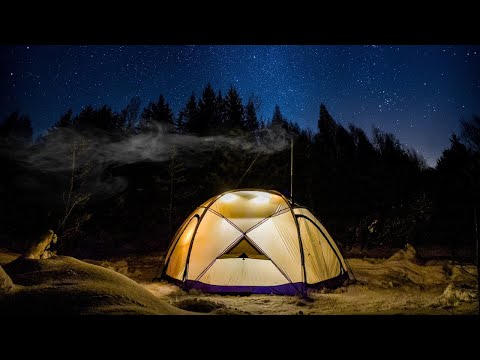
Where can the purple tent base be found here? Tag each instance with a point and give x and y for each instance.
(284, 289)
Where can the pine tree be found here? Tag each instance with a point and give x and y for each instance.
(158, 113)
(235, 111)
(220, 112)
(326, 124)
(455, 194)
(251, 121)
(129, 115)
(206, 105)
(327, 128)
(277, 118)
(471, 133)
(176, 177)
(65, 120)
(16, 129)
(455, 158)
(103, 118)
(345, 145)
(389, 148)
(364, 150)
(188, 119)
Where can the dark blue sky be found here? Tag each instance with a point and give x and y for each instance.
(419, 93)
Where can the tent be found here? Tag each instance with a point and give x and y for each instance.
(253, 241)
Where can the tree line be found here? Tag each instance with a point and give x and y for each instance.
(348, 178)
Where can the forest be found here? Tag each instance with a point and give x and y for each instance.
(110, 182)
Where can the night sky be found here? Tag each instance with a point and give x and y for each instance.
(419, 93)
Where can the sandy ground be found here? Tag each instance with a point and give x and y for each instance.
(63, 285)
(404, 283)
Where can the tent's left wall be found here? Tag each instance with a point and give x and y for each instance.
(178, 252)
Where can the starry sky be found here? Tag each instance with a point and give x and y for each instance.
(419, 93)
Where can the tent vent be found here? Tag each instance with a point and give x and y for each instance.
(244, 249)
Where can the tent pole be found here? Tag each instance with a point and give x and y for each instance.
(476, 244)
(476, 229)
(291, 170)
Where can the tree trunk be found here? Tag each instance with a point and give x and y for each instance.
(41, 249)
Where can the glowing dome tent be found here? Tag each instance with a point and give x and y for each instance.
(253, 241)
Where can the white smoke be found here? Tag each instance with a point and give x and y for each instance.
(100, 150)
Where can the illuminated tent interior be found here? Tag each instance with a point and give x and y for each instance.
(253, 241)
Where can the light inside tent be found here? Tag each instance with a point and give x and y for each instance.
(188, 232)
(261, 199)
(228, 198)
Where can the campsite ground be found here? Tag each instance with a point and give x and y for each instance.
(404, 282)
(407, 282)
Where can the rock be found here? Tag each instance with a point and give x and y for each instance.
(6, 284)
(300, 303)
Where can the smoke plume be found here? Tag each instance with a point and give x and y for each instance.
(99, 151)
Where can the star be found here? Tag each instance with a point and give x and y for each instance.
(345, 78)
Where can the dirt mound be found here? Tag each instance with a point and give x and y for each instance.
(67, 286)
(6, 284)
(7, 256)
(407, 254)
(404, 269)
(456, 294)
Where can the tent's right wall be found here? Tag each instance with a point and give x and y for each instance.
(321, 261)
